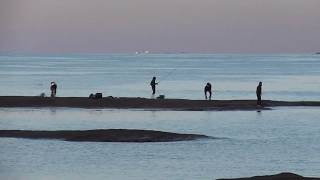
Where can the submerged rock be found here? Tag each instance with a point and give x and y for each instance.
(103, 135)
(281, 176)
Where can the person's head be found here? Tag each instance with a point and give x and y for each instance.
(208, 84)
(154, 77)
(260, 83)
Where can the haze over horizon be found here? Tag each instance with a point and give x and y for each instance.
(203, 26)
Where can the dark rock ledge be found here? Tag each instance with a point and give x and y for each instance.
(281, 176)
(103, 135)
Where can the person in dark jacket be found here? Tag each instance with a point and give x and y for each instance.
(53, 89)
(153, 85)
(207, 89)
(259, 92)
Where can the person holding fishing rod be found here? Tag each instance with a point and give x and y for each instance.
(153, 85)
(153, 82)
(207, 89)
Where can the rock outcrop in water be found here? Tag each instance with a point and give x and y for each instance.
(144, 103)
(103, 135)
(281, 176)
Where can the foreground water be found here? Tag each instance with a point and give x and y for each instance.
(234, 76)
(250, 143)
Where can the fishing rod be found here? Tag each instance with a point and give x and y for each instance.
(164, 78)
(167, 75)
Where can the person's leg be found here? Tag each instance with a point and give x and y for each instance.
(210, 93)
(153, 89)
(259, 99)
(205, 95)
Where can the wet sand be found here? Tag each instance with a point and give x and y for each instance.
(144, 103)
(103, 135)
(281, 176)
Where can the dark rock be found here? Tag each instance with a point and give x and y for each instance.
(103, 135)
(144, 103)
(281, 176)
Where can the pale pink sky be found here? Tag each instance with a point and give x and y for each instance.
(199, 26)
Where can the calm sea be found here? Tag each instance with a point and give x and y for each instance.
(284, 77)
(249, 142)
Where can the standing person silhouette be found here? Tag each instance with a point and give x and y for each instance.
(53, 89)
(153, 85)
(259, 92)
(207, 89)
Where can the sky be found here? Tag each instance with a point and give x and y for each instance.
(159, 26)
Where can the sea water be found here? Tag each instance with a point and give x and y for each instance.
(246, 143)
(284, 77)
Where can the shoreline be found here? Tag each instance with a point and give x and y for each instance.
(147, 104)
